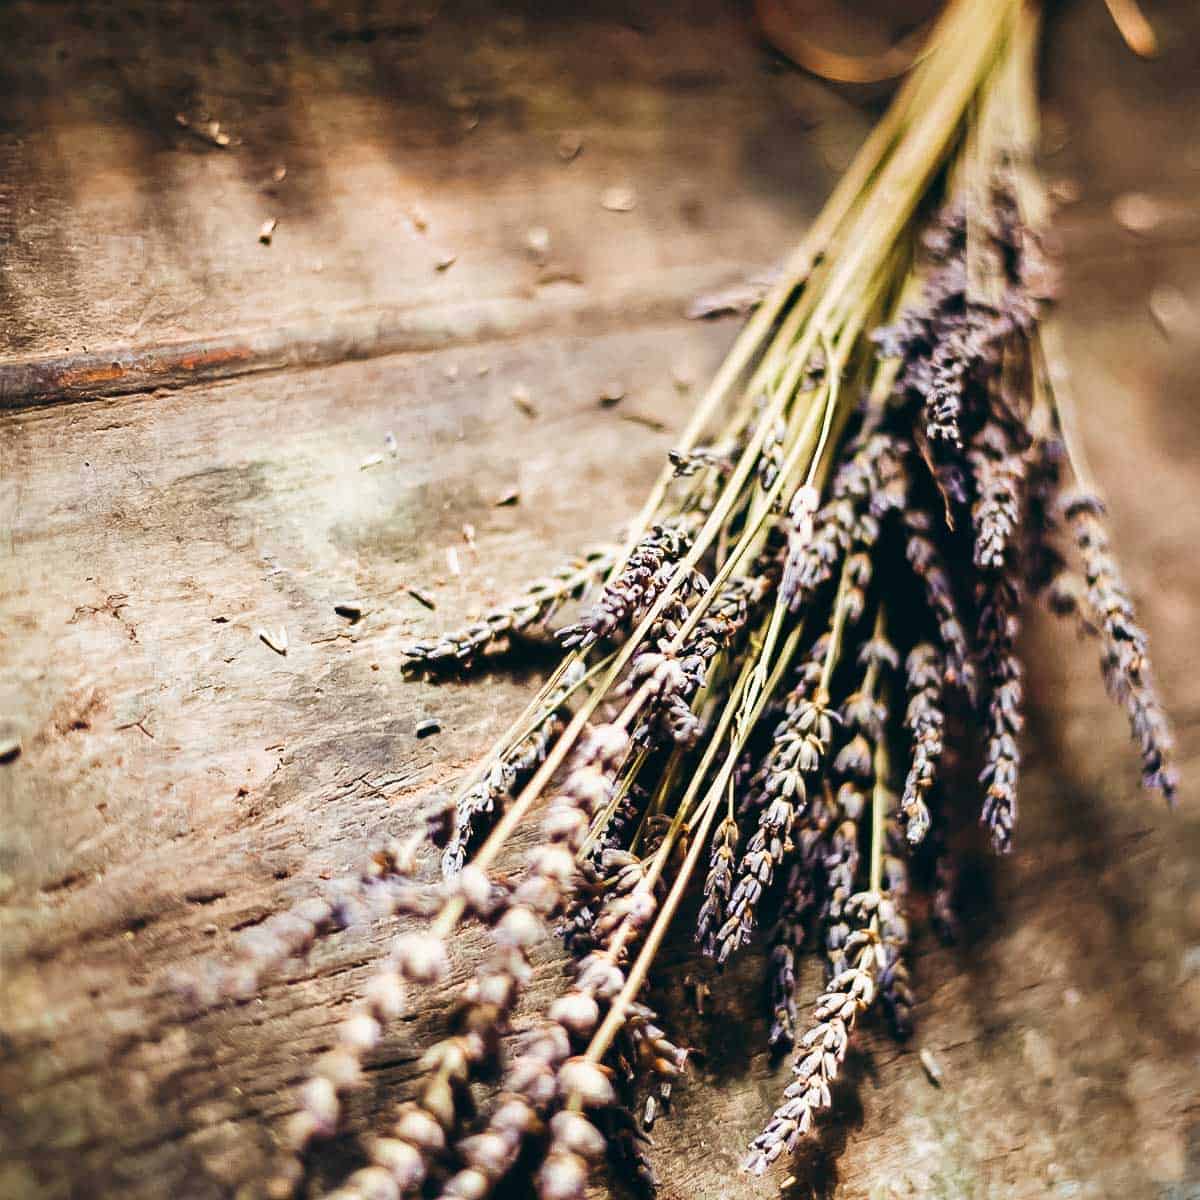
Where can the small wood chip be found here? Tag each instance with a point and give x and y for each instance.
(570, 144)
(276, 641)
(372, 460)
(350, 610)
(452, 561)
(427, 727)
(538, 241)
(1137, 212)
(10, 748)
(445, 261)
(738, 299)
(416, 214)
(279, 174)
(520, 397)
(393, 447)
(509, 498)
(932, 1067)
(219, 138)
(1172, 311)
(1066, 190)
(611, 394)
(618, 199)
(422, 597)
(644, 419)
(468, 532)
(266, 230)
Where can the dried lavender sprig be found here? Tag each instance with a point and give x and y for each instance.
(536, 606)
(542, 1071)
(406, 1152)
(895, 988)
(417, 959)
(686, 463)
(841, 864)
(492, 792)
(928, 565)
(801, 742)
(999, 468)
(799, 745)
(489, 997)
(381, 888)
(1124, 646)
(954, 337)
(925, 719)
(821, 1051)
(639, 583)
(869, 470)
(999, 624)
(864, 718)
(787, 938)
(718, 884)
(806, 879)
(675, 679)
(532, 1079)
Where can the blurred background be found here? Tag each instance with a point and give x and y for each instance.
(396, 303)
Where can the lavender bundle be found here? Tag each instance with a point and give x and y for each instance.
(757, 707)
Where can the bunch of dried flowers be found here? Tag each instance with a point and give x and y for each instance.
(756, 708)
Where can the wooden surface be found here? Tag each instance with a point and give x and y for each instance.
(186, 414)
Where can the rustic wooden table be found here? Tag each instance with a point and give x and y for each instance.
(187, 418)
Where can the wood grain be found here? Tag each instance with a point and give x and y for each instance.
(180, 780)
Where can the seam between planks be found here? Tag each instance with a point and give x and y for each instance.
(348, 336)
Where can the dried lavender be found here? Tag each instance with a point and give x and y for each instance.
(638, 584)
(821, 1052)
(801, 742)
(541, 600)
(688, 462)
(718, 885)
(999, 623)
(477, 807)
(999, 470)
(867, 485)
(926, 721)
(771, 457)
(725, 723)
(929, 566)
(382, 888)
(954, 339)
(1124, 658)
(787, 939)
(895, 990)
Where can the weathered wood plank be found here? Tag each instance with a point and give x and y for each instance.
(180, 779)
(405, 138)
